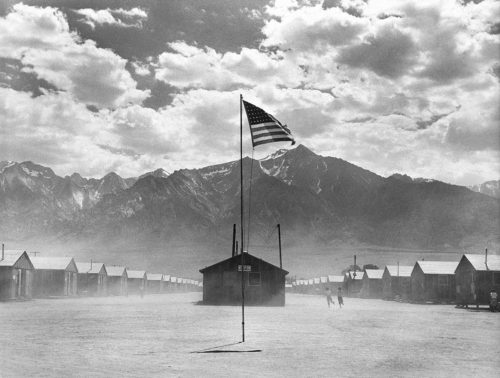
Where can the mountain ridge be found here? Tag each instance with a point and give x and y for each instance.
(322, 200)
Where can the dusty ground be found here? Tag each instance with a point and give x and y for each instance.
(159, 335)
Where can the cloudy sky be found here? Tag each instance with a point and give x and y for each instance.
(130, 86)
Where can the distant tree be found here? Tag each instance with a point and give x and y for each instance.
(351, 268)
(370, 266)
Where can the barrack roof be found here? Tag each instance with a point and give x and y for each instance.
(479, 263)
(115, 270)
(87, 267)
(404, 270)
(374, 274)
(336, 279)
(52, 263)
(11, 256)
(238, 257)
(155, 277)
(359, 275)
(136, 273)
(437, 267)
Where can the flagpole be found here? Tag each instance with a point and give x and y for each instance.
(241, 227)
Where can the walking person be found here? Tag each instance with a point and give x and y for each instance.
(493, 300)
(340, 298)
(329, 299)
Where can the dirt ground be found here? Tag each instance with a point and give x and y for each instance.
(162, 335)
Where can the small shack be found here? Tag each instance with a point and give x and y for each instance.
(173, 284)
(475, 276)
(310, 286)
(117, 280)
(372, 283)
(16, 275)
(54, 276)
(166, 283)
(301, 286)
(334, 282)
(155, 283)
(353, 283)
(264, 282)
(396, 282)
(137, 281)
(317, 288)
(92, 277)
(433, 281)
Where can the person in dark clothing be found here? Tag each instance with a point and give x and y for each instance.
(340, 298)
(493, 300)
(329, 299)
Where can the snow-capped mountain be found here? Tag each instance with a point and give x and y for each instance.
(160, 172)
(313, 197)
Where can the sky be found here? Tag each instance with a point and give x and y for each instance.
(394, 86)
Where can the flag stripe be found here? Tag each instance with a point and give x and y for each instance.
(269, 130)
(272, 133)
(271, 140)
(263, 126)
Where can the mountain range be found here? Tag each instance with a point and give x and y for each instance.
(319, 201)
(490, 188)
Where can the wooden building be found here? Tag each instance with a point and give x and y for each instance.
(92, 278)
(116, 280)
(16, 275)
(173, 284)
(353, 283)
(166, 283)
(334, 282)
(475, 276)
(310, 286)
(155, 283)
(317, 287)
(396, 282)
(433, 281)
(372, 283)
(137, 281)
(181, 284)
(264, 282)
(301, 286)
(54, 276)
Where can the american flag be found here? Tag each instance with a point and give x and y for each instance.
(265, 128)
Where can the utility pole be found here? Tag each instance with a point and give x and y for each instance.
(279, 244)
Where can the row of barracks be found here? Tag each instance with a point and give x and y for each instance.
(468, 281)
(23, 277)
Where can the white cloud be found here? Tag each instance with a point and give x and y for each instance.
(41, 39)
(130, 18)
(55, 130)
(312, 28)
(131, 13)
(393, 86)
(192, 67)
(141, 69)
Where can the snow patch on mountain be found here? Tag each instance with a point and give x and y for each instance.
(217, 172)
(275, 155)
(6, 164)
(78, 197)
(30, 172)
(318, 187)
